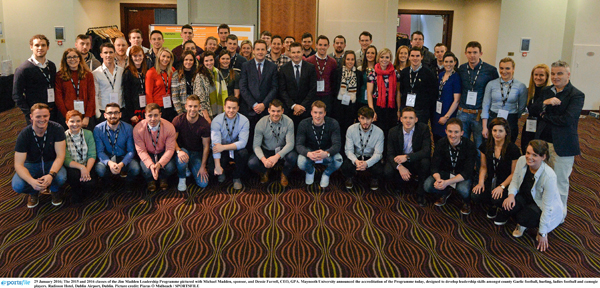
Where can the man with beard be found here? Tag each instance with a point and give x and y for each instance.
(233, 48)
(339, 45)
(276, 56)
(83, 44)
(307, 41)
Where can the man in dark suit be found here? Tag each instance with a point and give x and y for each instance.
(297, 92)
(258, 85)
(409, 151)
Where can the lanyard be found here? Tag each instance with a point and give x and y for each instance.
(412, 81)
(112, 84)
(442, 84)
(230, 132)
(113, 145)
(504, 99)
(476, 75)
(278, 132)
(234, 59)
(496, 162)
(165, 82)
(142, 83)
(79, 151)
(155, 144)
(47, 76)
(41, 148)
(454, 155)
(316, 137)
(362, 147)
(188, 86)
(319, 66)
(76, 88)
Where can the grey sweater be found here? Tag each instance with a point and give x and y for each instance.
(264, 138)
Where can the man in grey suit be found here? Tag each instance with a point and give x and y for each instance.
(258, 85)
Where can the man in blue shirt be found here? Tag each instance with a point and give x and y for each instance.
(115, 147)
(475, 74)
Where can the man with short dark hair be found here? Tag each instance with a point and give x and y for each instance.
(136, 39)
(454, 159)
(307, 41)
(418, 86)
(339, 45)
(273, 143)
(156, 40)
(237, 60)
(155, 140)
(229, 133)
(276, 56)
(364, 149)
(193, 144)
(325, 67)
(223, 32)
(107, 80)
(409, 152)
(39, 155)
(297, 85)
(475, 75)
(115, 147)
(34, 79)
(187, 33)
(438, 51)
(364, 39)
(267, 37)
(318, 141)
(83, 44)
(286, 44)
(417, 39)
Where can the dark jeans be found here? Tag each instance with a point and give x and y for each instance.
(526, 213)
(168, 170)
(240, 157)
(513, 123)
(80, 189)
(419, 168)
(36, 171)
(132, 169)
(349, 170)
(289, 162)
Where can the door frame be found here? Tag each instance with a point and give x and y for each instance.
(125, 6)
(448, 15)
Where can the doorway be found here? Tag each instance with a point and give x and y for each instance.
(141, 16)
(436, 26)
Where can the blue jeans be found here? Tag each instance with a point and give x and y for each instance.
(165, 172)
(289, 161)
(332, 163)
(132, 169)
(36, 171)
(470, 124)
(463, 188)
(194, 162)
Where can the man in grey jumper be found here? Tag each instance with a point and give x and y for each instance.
(273, 143)
(364, 149)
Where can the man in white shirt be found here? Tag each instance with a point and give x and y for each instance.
(107, 79)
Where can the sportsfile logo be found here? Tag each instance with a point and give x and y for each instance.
(16, 282)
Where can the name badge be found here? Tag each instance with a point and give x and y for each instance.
(320, 85)
(114, 98)
(472, 98)
(319, 162)
(277, 149)
(113, 158)
(231, 154)
(50, 95)
(503, 114)
(346, 99)
(167, 101)
(142, 101)
(438, 107)
(366, 95)
(530, 125)
(410, 100)
(78, 105)
(452, 185)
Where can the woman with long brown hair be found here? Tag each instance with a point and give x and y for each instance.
(182, 83)
(401, 61)
(75, 88)
(540, 78)
(367, 67)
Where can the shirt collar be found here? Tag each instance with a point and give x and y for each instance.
(409, 132)
(317, 55)
(261, 62)
(154, 129)
(294, 64)
(506, 82)
(418, 68)
(106, 68)
(37, 63)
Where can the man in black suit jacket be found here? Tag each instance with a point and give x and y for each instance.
(257, 90)
(418, 86)
(404, 160)
(297, 96)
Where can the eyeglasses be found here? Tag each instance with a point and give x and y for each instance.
(112, 113)
(72, 57)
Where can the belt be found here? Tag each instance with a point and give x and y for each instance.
(470, 111)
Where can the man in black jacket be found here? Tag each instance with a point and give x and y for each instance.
(297, 85)
(418, 86)
(408, 151)
(557, 125)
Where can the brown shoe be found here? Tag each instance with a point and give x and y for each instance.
(56, 199)
(284, 181)
(164, 185)
(442, 201)
(264, 178)
(151, 186)
(32, 200)
(466, 209)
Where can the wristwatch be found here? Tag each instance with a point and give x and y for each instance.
(543, 235)
(407, 158)
(177, 151)
(503, 187)
(53, 174)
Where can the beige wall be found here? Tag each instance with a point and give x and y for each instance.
(376, 16)
(482, 18)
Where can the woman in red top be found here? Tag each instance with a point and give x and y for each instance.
(75, 89)
(158, 83)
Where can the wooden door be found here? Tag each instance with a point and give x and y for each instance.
(287, 18)
(140, 16)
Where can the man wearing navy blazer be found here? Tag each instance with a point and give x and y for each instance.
(297, 94)
(410, 157)
(258, 85)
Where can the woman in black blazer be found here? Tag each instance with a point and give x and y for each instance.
(345, 103)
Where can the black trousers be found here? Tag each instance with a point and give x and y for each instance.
(240, 158)
(486, 195)
(419, 168)
(526, 213)
(349, 170)
(80, 189)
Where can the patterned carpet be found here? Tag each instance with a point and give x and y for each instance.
(268, 232)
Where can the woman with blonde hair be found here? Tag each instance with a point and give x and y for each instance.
(540, 78)
(383, 91)
(158, 83)
(246, 49)
(211, 44)
(75, 88)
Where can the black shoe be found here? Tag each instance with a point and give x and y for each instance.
(501, 218)
(349, 183)
(374, 184)
(421, 200)
(492, 212)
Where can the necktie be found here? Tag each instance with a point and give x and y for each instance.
(259, 71)
(297, 75)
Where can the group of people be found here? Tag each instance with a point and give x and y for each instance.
(158, 112)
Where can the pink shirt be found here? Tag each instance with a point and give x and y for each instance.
(144, 146)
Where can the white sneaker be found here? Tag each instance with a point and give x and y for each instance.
(324, 181)
(519, 230)
(310, 178)
(182, 186)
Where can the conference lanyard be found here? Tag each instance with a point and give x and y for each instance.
(316, 137)
(321, 70)
(276, 135)
(165, 82)
(454, 154)
(442, 84)
(504, 99)
(113, 145)
(412, 81)
(41, 148)
(76, 88)
(155, 144)
(79, 151)
(230, 132)
(47, 76)
(142, 83)
(112, 84)
(476, 75)
(362, 147)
